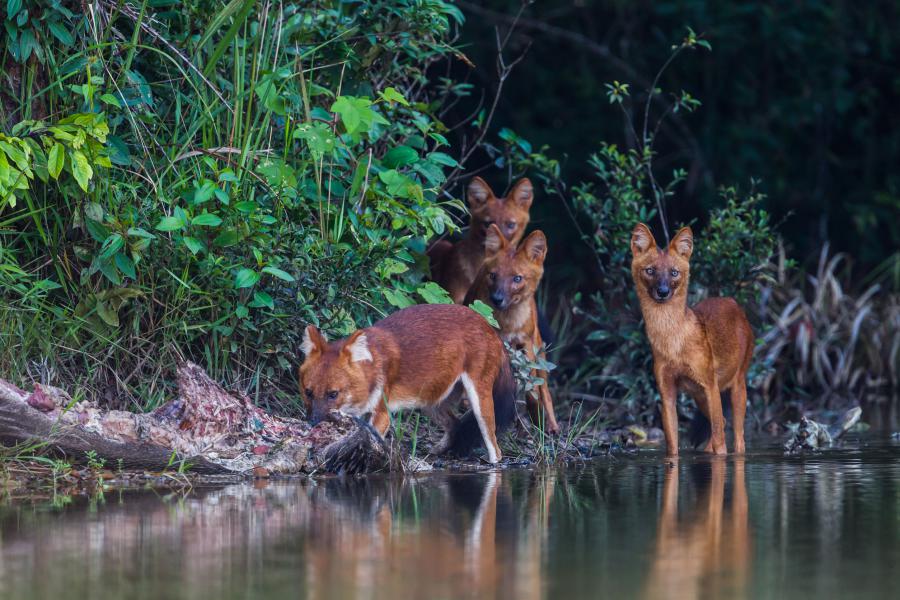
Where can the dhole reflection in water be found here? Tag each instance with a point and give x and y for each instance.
(818, 526)
(374, 537)
(707, 555)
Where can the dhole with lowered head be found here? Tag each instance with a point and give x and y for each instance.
(508, 280)
(703, 350)
(455, 266)
(422, 356)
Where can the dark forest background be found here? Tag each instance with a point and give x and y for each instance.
(799, 95)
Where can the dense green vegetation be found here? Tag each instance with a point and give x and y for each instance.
(199, 179)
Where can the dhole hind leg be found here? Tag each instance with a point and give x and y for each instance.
(739, 411)
(709, 401)
(481, 400)
(443, 416)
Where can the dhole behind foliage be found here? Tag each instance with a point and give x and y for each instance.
(508, 280)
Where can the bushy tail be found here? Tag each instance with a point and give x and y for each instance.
(467, 435)
(700, 428)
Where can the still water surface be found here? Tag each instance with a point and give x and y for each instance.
(765, 526)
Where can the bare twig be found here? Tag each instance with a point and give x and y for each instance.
(503, 71)
(603, 51)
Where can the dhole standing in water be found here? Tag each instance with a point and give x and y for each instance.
(455, 266)
(508, 280)
(420, 357)
(702, 350)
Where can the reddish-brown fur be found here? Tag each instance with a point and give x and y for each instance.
(508, 280)
(455, 266)
(703, 550)
(419, 357)
(704, 350)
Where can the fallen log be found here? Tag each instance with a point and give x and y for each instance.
(204, 429)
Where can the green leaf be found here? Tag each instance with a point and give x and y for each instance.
(109, 316)
(262, 300)
(399, 157)
(111, 246)
(397, 298)
(13, 7)
(207, 220)
(81, 169)
(245, 278)
(193, 244)
(227, 238)
(118, 151)
(55, 160)
(391, 95)
(318, 137)
(485, 311)
(348, 108)
(275, 272)
(246, 206)
(110, 272)
(126, 265)
(170, 224)
(204, 193)
(356, 114)
(141, 233)
(443, 159)
(111, 100)
(432, 293)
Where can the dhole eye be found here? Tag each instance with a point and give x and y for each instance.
(510, 225)
(649, 270)
(309, 393)
(674, 272)
(332, 395)
(517, 279)
(493, 276)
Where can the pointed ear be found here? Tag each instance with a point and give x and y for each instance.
(522, 193)
(313, 341)
(641, 239)
(478, 193)
(357, 347)
(494, 241)
(535, 247)
(683, 242)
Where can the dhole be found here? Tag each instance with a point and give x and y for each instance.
(508, 280)
(704, 350)
(455, 266)
(419, 357)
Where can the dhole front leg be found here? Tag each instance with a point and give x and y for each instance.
(381, 419)
(668, 393)
(547, 402)
(548, 419)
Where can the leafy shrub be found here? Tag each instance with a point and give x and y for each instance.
(261, 171)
